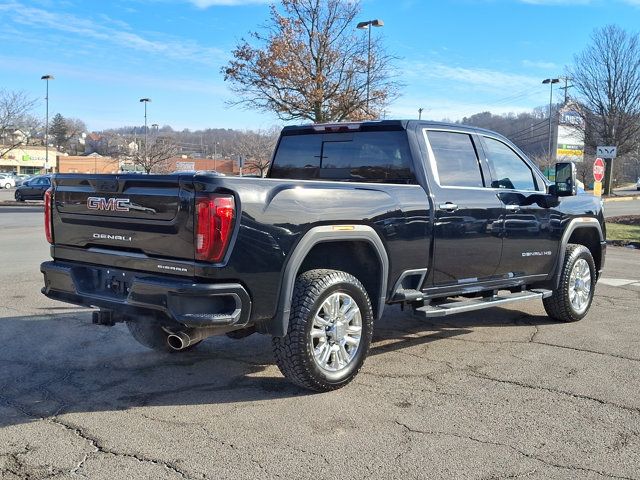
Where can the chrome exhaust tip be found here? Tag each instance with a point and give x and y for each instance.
(179, 341)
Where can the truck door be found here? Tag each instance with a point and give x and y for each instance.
(528, 245)
(467, 242)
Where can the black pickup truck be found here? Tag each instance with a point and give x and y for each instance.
(351, 217)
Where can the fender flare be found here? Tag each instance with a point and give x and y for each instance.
(574, 224)
(322, 234)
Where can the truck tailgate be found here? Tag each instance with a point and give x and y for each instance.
(141, 214)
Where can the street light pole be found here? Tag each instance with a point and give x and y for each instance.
(367, 26)
(146, 137)
(46, 78)
(550, 81)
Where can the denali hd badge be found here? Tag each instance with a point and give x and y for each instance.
(110, 204)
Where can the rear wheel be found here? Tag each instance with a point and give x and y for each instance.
(329, 331)
(152, 333)
(7, 186)
(570, 302)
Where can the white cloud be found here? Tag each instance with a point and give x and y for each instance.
(479, 77)
(540, 64)
(110, 31)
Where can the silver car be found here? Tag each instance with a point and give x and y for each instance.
(7, 181)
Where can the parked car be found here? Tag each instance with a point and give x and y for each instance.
(33, 189)
(638, 184)
(21, 178)
(7, 180)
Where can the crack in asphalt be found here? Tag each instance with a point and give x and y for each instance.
(99, 448)
(511, 447)
(484, 376)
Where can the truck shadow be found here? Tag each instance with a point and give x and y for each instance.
(61, 363)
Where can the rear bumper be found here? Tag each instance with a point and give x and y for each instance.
(127, 292)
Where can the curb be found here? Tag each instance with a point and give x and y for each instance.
(622, 199)
(9, 203)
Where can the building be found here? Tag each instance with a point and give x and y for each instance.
(220, 165)
(28, 159)
(93, 163)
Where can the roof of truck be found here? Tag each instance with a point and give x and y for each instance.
(373, 125)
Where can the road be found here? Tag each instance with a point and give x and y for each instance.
(493, 394)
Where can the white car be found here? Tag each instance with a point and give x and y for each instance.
(638, 184)
(7, 181)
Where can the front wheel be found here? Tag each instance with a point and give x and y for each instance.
(7, 186)
(19, 197)
(570, 302)
(329, 331)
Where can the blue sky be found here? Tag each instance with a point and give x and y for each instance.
(457, 57)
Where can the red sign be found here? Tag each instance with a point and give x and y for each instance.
(598, 170)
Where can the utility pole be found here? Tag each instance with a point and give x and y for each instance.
(367, 26)
(46, 78)
(566, 88)
(550, 81)
(146, 136)
(420, 110)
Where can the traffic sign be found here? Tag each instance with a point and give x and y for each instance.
(598, 170)
(607, 151)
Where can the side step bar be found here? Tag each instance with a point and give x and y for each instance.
(452, 308)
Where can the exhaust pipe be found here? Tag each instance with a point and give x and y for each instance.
(190, 336)
(180, 341)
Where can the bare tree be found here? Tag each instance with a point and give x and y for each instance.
(606, 76)
(584, 171)
(154, 156)
(256, 147)
(311, 63)
(17, 124)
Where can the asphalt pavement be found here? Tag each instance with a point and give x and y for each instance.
(499, 393)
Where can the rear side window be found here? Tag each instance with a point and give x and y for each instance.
(382, 156)
(456, 159)
(507, 168)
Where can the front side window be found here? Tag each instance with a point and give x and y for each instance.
(456, 159)
(508, 170)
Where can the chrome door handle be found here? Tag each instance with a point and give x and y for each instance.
(512, 208)
(449, 207)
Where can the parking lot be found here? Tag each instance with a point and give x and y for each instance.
(499, 393)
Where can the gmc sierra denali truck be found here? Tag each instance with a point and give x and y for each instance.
(351, 217)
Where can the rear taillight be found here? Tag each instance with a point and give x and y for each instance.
(214, 226)
(48, 231)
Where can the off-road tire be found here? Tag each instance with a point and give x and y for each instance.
(149, 332)
(558, 306)
(293, 352)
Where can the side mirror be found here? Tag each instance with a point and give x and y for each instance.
(566, 184)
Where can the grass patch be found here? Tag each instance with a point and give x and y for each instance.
(626, 233)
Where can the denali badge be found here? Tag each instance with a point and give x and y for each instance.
(112, 204)
(106, 236)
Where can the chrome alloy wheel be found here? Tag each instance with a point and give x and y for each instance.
(580, 286)
(335, 332)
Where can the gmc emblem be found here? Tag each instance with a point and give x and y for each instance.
(110, 204)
